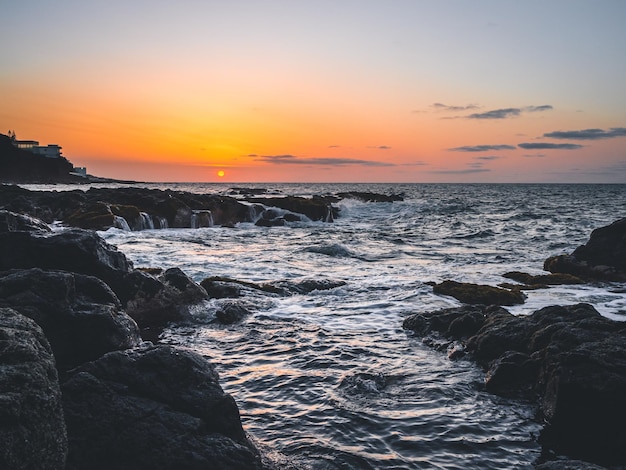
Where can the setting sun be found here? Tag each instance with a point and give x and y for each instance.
(220, 173)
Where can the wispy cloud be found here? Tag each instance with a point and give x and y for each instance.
(588, 134)
(488, 158)
(379, 147)
(482, 148)
(322, 161)
(536, 109)
(445, 107)
(548, 146)
(505, 113)
(497, 114)
(534, 155)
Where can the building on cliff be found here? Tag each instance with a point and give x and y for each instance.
(50, 150)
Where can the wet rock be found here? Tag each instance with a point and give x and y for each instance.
(219, 288)
(80, 315)
(305, 286)
(570, 357)
(12, 222)
(153, 408)
(155, 301)
(543, 279)
(479, 294)
(75, 250)
(603, 257)
(565, 464)
(94, 216)
(313, 208)
(32, 427)
(370, 197)
(231, 312)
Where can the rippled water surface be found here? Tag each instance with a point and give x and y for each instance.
(329, 379)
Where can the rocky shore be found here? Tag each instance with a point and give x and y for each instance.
(84, 383)
(133, 208)
(79, 386)
(569, 359)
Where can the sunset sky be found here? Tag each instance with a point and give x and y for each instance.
(321, 91)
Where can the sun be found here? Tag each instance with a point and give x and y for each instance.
(221, 173)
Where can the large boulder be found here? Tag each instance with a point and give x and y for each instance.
(571, 357)
(80, 315)
(75, 250)
(153, 408)
(12, 222)
(603, 257)
(153, 301)
(479, 294)
(32, 427)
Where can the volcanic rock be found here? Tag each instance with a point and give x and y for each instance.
(571, 357)
(153, 408)
(80, 315)
(479, 294)
(32, 427)
(603, 257)
(12, 222)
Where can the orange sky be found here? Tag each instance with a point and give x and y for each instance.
(295, 91)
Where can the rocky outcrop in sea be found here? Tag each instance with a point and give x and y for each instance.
(570, 359)
(79, 386)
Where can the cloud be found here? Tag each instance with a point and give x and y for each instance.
(535, 109)
(497, 114)
(488, 158)
(548, 145)
(509, 112)
(588, 134)
(534, 155)
(322, 161)
(481, 148)
(445, 107)
(380, 147)
(334, 146)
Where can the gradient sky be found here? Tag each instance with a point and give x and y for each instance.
(321, 91)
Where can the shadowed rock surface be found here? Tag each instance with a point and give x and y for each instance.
(32, 427)
(12, 222)
(571, 358)
(603, 257)
(80, 316)
(153, 408)
(479, 294)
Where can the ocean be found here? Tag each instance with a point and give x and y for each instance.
(329, 379)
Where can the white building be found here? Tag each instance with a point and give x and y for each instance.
(50, 150)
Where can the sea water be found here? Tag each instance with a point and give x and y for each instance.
(329, 379)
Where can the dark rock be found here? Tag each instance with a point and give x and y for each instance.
(231, 312)
(220, 289)
(543, 279)
(94, 216)
(32, 428)
(76, 250)
(479, 294)
(153, 408)
(12, 222)
(155, 301)
(305, 286)
(603, 257)
(370, 197)
(571, 357)
(81, 317)
(313, 208)
(564, 464)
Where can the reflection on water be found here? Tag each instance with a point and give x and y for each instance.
(329, 379)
